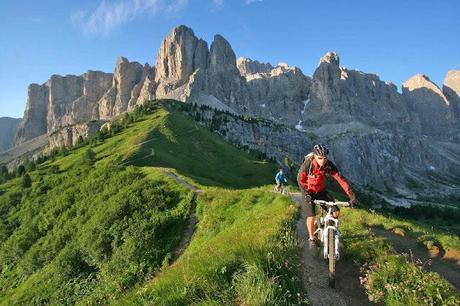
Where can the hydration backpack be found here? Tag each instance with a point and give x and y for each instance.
(307, 162)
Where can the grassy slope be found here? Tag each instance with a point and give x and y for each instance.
(84, 213)
(243, 252)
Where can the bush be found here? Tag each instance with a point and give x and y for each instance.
(89, 157)
(21, 170)
(26, 181)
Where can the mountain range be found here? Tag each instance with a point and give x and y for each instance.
(404, 143)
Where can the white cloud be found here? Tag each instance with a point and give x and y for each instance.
(252, 1)
(109, 14)
(218, 3)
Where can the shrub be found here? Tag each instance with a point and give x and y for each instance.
(26, 181)
(89, 157)
(21, 170)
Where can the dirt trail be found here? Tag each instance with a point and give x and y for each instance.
(187, 236)
(439, 263)
(315, 273)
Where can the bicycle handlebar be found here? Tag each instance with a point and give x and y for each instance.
(331, 203)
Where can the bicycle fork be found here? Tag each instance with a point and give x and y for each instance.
(336, 240)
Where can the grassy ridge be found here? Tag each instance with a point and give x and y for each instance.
(177, 142)
(89, 230)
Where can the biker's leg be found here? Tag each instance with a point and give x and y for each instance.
(310, 212)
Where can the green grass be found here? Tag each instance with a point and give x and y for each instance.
(195, 152)
(70, 238)
(243, 252)
(390, 278)
(87, 231)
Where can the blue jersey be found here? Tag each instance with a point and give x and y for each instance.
(280, 177)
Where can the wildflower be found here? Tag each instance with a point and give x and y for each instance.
(286, 264)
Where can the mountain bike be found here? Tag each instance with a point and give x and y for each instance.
(328, 234)
(281, 189)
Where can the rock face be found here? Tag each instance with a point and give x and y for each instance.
(126, 76)
(247, 66)
(68, 136)
(8, 128)
(367, 156)
(61, 101)
(428, 102)
(340, 95)
(451, 90)
(279, 94)
(34, 122)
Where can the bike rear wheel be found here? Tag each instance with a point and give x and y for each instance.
(331, 257)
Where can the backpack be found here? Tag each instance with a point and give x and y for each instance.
(306, 160)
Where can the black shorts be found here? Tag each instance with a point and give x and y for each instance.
(309, 197)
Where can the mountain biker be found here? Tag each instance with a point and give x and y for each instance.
(280, 179)
(311, 177)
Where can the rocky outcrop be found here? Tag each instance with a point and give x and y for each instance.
(8, 128)
(62, 91)
(61, 101)
(34, 122)
(179, 56)
(431, 106)
(95, 84)
(451, 90)
(248, 66)
(70, 135)
(116, 100)
(340, 95)
(279, 94)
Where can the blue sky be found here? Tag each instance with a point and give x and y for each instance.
(394, 39)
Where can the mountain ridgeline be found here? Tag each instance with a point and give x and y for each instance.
(404, 143)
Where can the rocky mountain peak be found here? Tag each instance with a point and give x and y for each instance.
(423, 82)
(222, 57)
(175, 59)
(452, 82)
(247, 66)
(330, 58)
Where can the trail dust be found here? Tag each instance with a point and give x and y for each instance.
(347, 290)
(444, 262)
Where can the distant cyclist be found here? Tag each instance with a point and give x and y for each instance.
(311, 177)
(280, 179)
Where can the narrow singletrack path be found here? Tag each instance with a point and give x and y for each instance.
(192, 220)
(347, 290)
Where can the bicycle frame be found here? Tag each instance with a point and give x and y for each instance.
(329, 222)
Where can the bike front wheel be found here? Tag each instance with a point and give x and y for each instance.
(331, 257)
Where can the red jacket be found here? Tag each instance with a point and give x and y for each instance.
(311, 177)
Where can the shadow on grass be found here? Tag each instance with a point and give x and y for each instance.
(434, 260)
